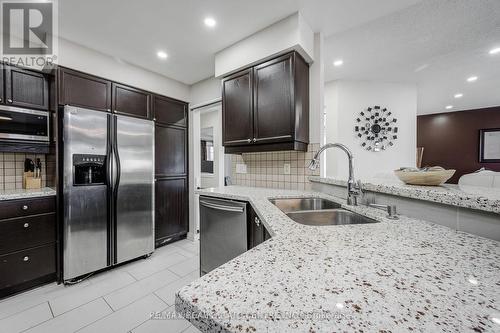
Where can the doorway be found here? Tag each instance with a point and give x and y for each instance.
(207, 154)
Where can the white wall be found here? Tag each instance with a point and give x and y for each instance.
(316, 91)
(291, 33)
(344, 100)
(205, 91)
(81, 58)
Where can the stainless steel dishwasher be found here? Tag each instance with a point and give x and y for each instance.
(223, 231)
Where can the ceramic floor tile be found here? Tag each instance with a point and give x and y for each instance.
(191, 329)
(26, 319)
(167, 293)
(167, 322)
(154, 264)
(186, 267)
(189, 246)
(37, 296)
(128, 317)
(124, 296)
(90, 292)
(75, 319)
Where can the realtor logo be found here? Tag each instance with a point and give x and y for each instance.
(27, 28)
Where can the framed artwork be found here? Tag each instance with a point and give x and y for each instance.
(489, 145)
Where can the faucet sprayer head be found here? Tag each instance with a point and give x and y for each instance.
(313, 165)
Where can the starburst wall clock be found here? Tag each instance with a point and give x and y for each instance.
(376, 128)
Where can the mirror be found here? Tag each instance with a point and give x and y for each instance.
(207, 150)
(435, 67)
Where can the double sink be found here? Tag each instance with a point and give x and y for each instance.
(318, 212)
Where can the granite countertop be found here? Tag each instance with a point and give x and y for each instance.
(23, 193)
(404, 275)
(473, 197)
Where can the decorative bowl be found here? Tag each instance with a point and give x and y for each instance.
(426, 178)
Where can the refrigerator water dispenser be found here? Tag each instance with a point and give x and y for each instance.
(89, 169)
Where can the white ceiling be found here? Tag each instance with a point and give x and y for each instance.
(134, 31)
(435, 44)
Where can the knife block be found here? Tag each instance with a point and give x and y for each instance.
(30, 182)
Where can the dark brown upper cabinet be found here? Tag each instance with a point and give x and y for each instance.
(169, 111)
(266, 107)
(131, 101)
(237, 108)
(25, 88)
(84, 90)
(170, 151)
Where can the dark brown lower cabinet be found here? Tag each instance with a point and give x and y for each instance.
(27, 244)
(171, 216)
(256, 231)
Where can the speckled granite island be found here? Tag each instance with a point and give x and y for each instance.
(398, 276)
(26, 193)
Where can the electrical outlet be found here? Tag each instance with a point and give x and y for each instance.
(241, 168)
(286, 168)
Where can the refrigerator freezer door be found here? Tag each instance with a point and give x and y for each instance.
(134, 190)
(85, 235)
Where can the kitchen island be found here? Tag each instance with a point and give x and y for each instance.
(390, 276)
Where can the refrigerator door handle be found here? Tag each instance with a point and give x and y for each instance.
(116, 156)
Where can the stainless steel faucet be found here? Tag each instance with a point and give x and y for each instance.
(354, 189)
(390, 209)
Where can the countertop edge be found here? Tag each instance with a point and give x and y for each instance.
(7, 195)
(441, 195)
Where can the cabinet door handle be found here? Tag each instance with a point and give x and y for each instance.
(9, 100)
(249, 140)
(26, 258)
(257, 221)
(254, 140)
(26, 225)
(0, 99)
(109, 110)
(25, 207)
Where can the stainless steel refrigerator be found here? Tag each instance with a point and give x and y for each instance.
(108, 190)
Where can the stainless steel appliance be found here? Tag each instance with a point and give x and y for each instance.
(24, 124)
(223, 231)
(108, 190)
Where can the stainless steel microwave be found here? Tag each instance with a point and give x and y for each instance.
(24, 124)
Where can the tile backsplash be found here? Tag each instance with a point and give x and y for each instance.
(268, 169)
(12, 169)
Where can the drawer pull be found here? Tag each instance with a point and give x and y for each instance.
(9, 100)
(25, 207)
(26, 225)
(26, 258)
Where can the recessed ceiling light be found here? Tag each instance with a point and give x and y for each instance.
(496, 50)
(210, 22)
(162, 54)
(472, 79)
(449, 107)
(459, 95)
(338, 63)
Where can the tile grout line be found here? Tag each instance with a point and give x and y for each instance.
(52, 312)
(112, 310)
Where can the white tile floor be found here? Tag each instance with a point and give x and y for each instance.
(118, 300)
